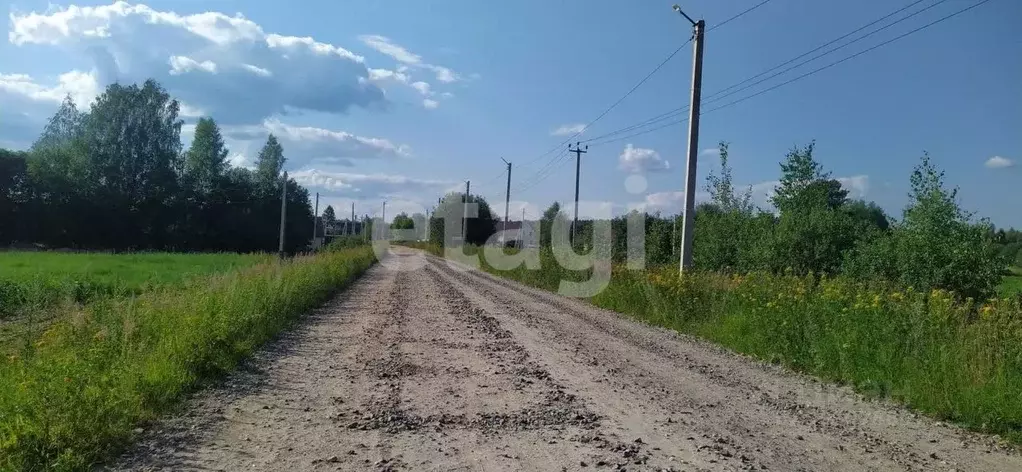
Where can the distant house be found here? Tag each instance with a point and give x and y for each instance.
(521, 233)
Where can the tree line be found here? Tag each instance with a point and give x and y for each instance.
(117, 177)
(814, 227)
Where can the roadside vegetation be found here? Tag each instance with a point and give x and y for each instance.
(923, 309)
(74, 396)
(35, 280)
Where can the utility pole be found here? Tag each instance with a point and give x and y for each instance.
(283, 215)
(315, 219)
(507, 202)
(464, 215)
(521, 227)
(383, 222)
(578, 166)
(688, 224)
(352, 217)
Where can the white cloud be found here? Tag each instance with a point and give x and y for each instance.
(998, 162)
(668, 202)
(709, 152)
(307, 144)
(856, 185)
(257, 70)
(82, 86)
(386, 74)
(422, 87)
(371, 186)
(430, 104)
(384, 45)
(634, 159)
(130, 43)
(568, 130)
(181, 64)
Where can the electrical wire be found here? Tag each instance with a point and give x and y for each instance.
(739, 15)
(853, 56)
(828, 43)
(719, 96)
(597, 140)
(613, 105)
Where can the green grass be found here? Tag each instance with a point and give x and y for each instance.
(39, 279)
(955, 361)
(1011, 285)
(72, 398)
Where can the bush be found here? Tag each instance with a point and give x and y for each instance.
(936, 245)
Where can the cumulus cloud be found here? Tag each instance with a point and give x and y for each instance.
(668, 202)
(257, 70)
(998, 162)
(634, 159)
(217, 62)
(430, 104)
(369, 186)
(181, 64)
(568, 130)
(384, 45)
(306, 144)
(82, 86)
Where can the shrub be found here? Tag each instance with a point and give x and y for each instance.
(936, 245)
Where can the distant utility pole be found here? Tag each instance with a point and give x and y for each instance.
(283, 215)
(578, 166)
(507, 201)
(464, 215)
(688, 224)
(315, 219)
(353, 218)
(521, 227)
(383, 222)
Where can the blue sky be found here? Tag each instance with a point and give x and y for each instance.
(404, 100)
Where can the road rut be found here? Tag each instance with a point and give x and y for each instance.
(423, 365)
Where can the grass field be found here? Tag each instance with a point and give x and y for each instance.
(1011, 285)
(72, 398)
(956, 361)
(40, 279)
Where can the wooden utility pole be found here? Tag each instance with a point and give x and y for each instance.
(464, 215)
(353, 218)
(507, 202)
(283, 215)
(578, 166)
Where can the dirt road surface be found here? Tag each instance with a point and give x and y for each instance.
(431, 367)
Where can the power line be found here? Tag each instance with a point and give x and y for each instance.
(598, 140)
(853, 56)
(604, 113)
(739, 15)
(676, 122)
(543, 173)
(718, 95)
(658, 118)
(828, 43)
(632, 90)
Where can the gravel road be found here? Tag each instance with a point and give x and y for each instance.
(432, 367)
